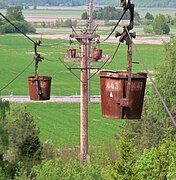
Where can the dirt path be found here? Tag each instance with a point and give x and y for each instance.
(53, 99)
(138, 40)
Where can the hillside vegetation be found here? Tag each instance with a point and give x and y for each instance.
(139, 3)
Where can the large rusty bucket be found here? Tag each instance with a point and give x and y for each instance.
(113, 93)
(39, 89)
(97, 54)
(71, 53)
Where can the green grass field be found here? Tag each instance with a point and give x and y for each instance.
(70, 11)
(60, 123)
(16, 53)
(67, 13)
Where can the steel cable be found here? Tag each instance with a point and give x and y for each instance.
(153, 83)
(69, 69)
(115, 26)
(10, 82)
(98, 69)
(18, 28)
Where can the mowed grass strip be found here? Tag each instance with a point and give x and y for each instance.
(60, 123)
(16, 52)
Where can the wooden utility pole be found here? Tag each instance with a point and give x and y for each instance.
(89, 26)
(85, 38)
(84, 104)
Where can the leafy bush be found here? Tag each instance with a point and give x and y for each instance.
(125, 166)
(14, 14)
(158, 163)
(149, 16)
(47, 170)
(160, 25)
(110, 13)
(148, 30)
(22, 25)
(66, 23)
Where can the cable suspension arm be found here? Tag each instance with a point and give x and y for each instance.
(115, 26)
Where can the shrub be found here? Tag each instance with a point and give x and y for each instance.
(149, 16)
(22, 25)
(148, 30)
(160, 25)
(158, 163)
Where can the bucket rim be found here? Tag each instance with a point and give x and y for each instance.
(40, 78)
(121, 74)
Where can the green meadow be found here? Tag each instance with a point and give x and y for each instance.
(57, 121)
(60, 123)
(17, 52)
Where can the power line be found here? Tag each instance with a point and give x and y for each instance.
(10, 82)
(18, 28)
(69, 69)
(115, 26)
(153, 83)
(106, 61)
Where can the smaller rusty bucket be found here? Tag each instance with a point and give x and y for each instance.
(114, 103)
(71, 53)
(97, 54)
(39, 89)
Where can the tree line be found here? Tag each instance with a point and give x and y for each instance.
(138, 3)
(14, 14)
(110, 13)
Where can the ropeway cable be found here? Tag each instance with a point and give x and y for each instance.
(153, 83)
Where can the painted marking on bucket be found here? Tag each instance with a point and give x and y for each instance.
(111, 95)
(112, 86)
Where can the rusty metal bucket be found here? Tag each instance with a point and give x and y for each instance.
(113, 95)
(97, 54)
(71, 53)
(39, 89)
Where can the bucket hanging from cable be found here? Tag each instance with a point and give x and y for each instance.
(122, 92)
(39, 86)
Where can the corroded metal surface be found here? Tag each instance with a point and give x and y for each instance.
(113, 94)
(96, 53)
(71, 53)
(39, 89)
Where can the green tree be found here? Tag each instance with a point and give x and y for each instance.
(160, 25)
(14, 13)
(149, 16)
(173, 22)
(4, 106)
(84, 15)
(125, 166)
(158, 162)
(24, 143)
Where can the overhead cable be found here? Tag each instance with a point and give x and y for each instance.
(115, 26)
(101, 67)
(17, 28)
(10, 82)
(153, 83)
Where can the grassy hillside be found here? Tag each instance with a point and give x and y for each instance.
(60, 123)
(17, 53)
